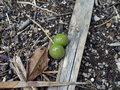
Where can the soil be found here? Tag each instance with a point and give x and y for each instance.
(99, 59)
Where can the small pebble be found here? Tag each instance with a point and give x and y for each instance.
(116, 56)
(118, 37)
(94, 42)
(103, 87)
(117, 49)
(106, 65)
(102, 16)
(86, 79)
(92, 79)
(98, 87)
(45, 5)
(101, 66)
(112, 25)
(111, 71)
(96, 18)
(106, 51)
(107, 84)
(96, 67)
(99, 63)
(85, 75)
(103, 34)
(64, 2)
(119, 53)
(110, 88)
(89, 70)
(118, 83)
(103, 73)
(94, 51)
(118, 65)
(87, 64)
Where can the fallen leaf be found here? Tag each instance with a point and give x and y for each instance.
(38, 63)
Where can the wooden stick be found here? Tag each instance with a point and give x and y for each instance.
(24, 24)
(23, 84)
(20, 71)
(78, 30)
(82, 24)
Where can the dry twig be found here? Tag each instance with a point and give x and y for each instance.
(104, 22)
(37, 7)
(54, 72)
(22, 84)
(40, 28)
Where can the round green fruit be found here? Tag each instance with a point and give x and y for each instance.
(61, 39)
(56, 51)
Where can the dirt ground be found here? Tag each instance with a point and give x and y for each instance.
(99, 60)
(19, 36)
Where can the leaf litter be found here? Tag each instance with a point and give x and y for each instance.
(38, 63)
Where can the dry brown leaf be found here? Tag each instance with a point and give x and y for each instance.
(38, 63)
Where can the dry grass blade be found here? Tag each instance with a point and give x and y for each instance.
(20, 65)
(21, 2)
(47, 72)
(15, 65)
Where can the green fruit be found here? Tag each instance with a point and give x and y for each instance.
(56, 51)
(61, 39)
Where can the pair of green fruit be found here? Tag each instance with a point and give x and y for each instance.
(56, 50)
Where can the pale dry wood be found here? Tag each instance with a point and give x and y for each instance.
(2, 52)
(114, 44)
(77, 34)
(20, 70)
(45, 77)
(86, 8)
(17, 70)
(47, 72)
(23, 84)
(23, 25)
(21, 66)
